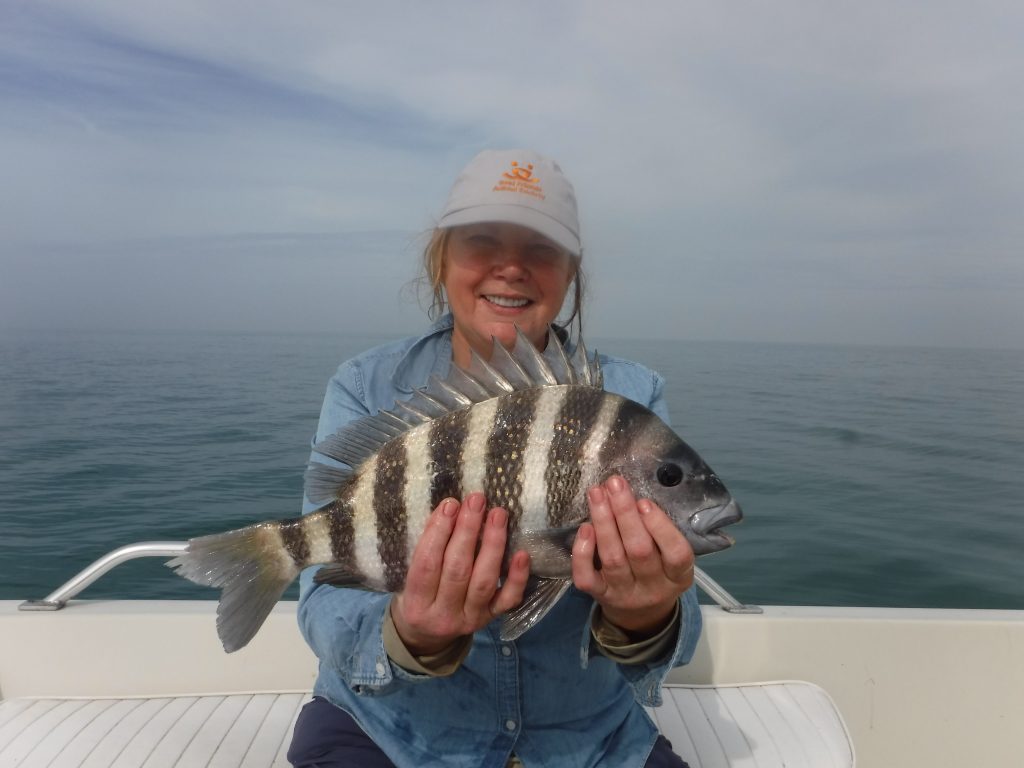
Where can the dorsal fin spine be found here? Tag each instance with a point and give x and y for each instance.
(523, 367)
(416, 413)
(534, 363)
(485, 373)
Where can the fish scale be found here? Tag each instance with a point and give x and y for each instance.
(577, 421)
(447, 439)
(389, 505)
(532, 431)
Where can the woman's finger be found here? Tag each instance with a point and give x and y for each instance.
(487, 569)
(614, 563)
(585, 575)
(460, 553)
(676, 553)
(640, 550)
(511, 593)
(425, 566)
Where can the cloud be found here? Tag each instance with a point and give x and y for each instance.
(777, 172)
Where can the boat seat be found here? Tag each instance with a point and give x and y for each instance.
(763, 725)
(755, 725)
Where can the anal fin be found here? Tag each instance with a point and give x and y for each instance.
(338, 575)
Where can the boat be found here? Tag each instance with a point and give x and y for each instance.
(127, 683)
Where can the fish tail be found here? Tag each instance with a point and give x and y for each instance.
(252, 566)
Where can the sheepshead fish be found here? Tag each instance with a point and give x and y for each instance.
(532, 431)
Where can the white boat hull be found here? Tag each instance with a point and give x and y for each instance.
(916, 687)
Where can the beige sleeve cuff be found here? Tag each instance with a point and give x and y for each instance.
(614, 643)
(439, 664)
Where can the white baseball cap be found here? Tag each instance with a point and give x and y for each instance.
(517, 186)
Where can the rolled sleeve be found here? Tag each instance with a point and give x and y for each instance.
(442, 664)
(614, 643)
(647, 677)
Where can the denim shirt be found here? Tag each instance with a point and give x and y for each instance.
(550, 697)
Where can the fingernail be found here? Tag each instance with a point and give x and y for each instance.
(615, 483)
(451, 506)
(475, 502)
(644, 506)
(596, 494)
(499, 517)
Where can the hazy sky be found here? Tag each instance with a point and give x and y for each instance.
(786, 171)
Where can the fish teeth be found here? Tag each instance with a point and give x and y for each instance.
(503, 301)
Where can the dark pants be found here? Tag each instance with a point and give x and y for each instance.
(327, 737)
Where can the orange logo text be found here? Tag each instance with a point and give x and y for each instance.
(520, 179)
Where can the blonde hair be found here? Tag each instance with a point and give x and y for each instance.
(433, 280)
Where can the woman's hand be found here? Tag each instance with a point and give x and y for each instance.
(646, 562)
(451, 589)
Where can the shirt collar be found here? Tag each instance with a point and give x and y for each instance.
(407, 377)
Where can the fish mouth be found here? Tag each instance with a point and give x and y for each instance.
(707, 523)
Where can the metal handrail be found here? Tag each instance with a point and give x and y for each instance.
(71, 588)
(60, 596)
(718, 593)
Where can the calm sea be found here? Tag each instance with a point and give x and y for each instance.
(869, 476)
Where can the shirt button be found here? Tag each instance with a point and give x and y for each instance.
(380, 669)
(510, 725)
(506, 651)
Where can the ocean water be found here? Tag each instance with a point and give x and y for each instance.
(869, 475)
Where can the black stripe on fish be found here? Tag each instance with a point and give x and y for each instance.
(576, 420)
(630, 420)
(447, 440)
(339, 521)
(293, 535)
(505, 451)
(389, 504)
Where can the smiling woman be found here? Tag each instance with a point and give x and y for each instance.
(428, 669)
(505, 264)
(499, 277)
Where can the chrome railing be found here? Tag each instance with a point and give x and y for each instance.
(69, 589)
(718, 593)
(73, 586)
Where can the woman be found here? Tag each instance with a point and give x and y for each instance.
(422, 677)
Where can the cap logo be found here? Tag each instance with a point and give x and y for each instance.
(520, 179)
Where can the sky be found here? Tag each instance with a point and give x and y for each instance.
(783, 172)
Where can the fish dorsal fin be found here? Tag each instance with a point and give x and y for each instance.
(409, 412)
(587, 369)
(488, 376)
(450, 396)
(596, 374)
(464, 383)
(427, 404)
(533, 363)
(522, 368)
(357, 441)
(323, 482)
(507, 364)
(557, 362)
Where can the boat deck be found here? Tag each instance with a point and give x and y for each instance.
(769, 724)
(146, 683)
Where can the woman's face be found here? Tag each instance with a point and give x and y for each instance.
(498, 277)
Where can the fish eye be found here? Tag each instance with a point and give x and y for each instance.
(670, 474)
